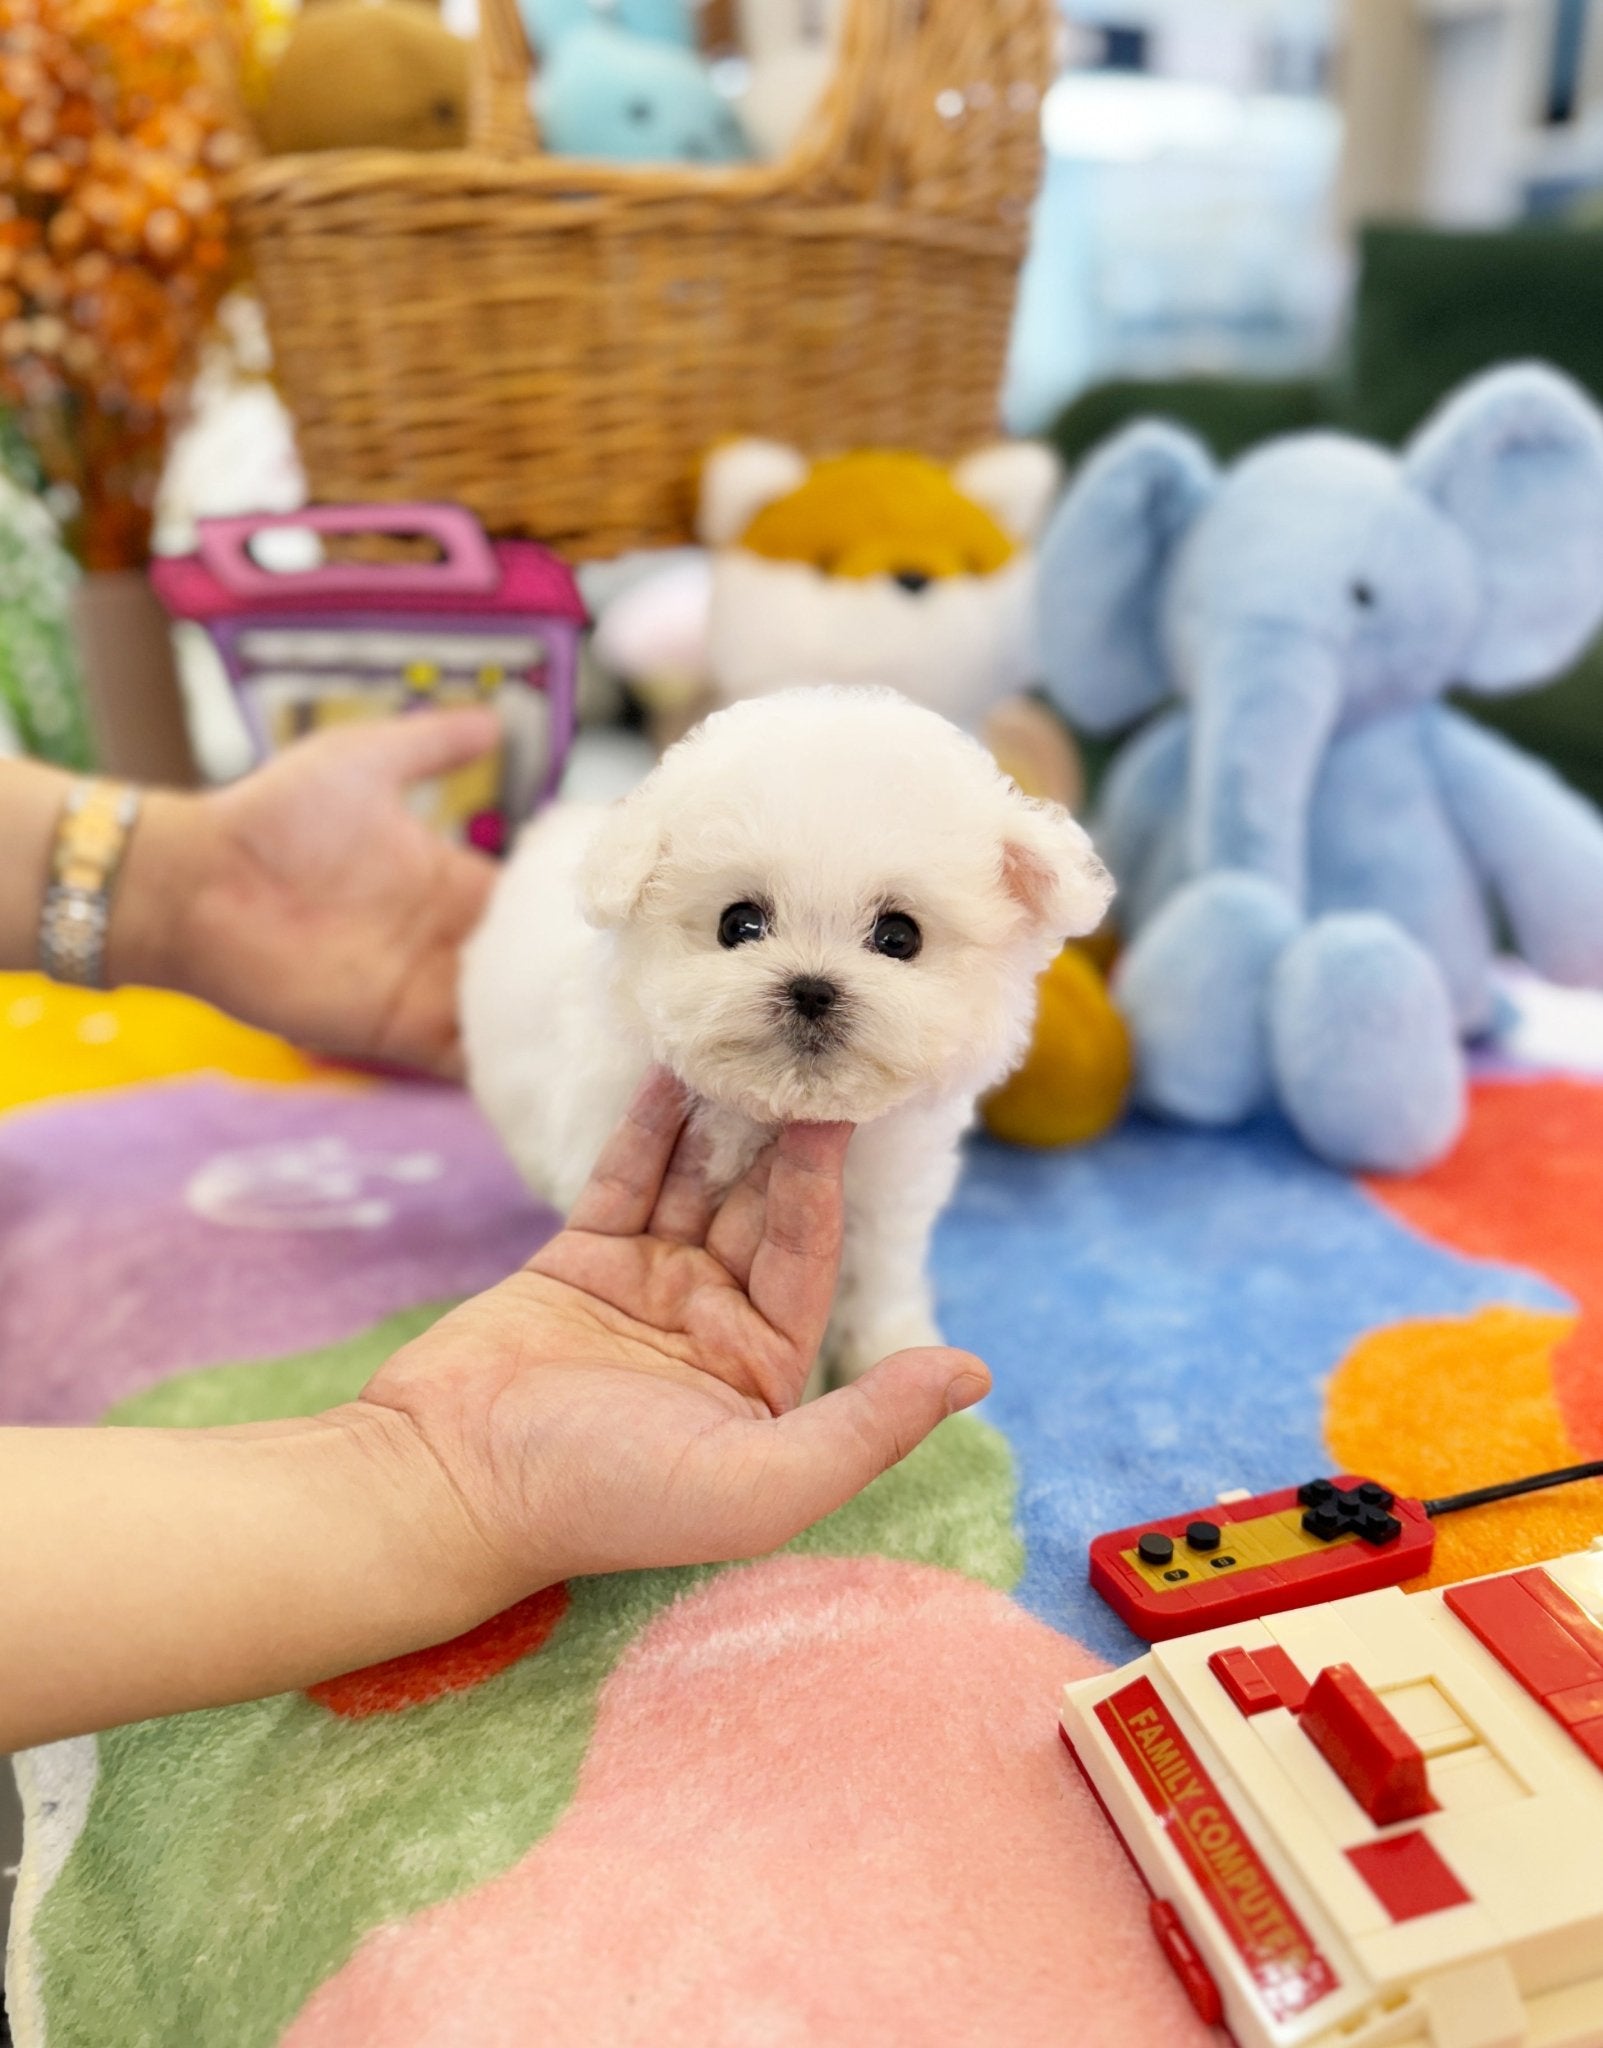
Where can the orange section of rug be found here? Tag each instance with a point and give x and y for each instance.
(468, 1660)
(1437, 1407)
(1525, 1186)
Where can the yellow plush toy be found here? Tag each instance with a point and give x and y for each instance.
(367, 74)
(1076, 1074)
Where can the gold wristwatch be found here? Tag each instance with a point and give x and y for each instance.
(91, 838)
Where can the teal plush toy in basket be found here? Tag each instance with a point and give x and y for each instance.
(326, 642)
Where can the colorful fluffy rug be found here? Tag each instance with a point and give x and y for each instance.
(812, 1800)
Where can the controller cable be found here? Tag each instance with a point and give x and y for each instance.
(1484, 1496)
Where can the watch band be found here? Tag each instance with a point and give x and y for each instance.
(91, 838)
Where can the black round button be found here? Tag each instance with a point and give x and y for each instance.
(1202, 1535)
(1154, 1548)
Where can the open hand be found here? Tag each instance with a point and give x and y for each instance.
(631, 1396)
(309, 900)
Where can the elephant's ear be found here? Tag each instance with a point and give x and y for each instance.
(1103, 562)
(1515, 461)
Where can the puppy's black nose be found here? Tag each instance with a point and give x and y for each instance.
(811, 996)
(913, 580)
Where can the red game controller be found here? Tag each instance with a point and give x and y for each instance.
(1260, 1554)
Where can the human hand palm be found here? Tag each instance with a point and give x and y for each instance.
(631, 1397)
(327, 910)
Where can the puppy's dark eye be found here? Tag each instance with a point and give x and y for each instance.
(896, 936)
(1362, 594)
(741, 923)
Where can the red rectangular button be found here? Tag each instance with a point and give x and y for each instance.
(1529, 1642)
(1257, 1680)
(1195, 1977)
(1287, 1680)
(1408, 1876)
(1579, 1703)
(1250, 1690)
(1570, 1615)
(1366, 1746)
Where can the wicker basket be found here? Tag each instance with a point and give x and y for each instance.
(555, 343)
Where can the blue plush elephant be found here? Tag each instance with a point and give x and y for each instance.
(605, 92)
(622, 80)
(1314, 853)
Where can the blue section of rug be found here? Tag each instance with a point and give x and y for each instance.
(1161, 1311)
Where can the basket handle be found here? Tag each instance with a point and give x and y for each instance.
(934, 98)
(501, 120)
(468, 564)
(937, 102)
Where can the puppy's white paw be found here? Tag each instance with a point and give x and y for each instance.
(851, 1352)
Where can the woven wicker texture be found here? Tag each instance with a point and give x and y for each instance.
(555, 343)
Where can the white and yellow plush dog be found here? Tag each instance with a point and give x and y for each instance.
(875, 567)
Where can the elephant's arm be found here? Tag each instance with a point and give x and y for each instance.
(1537, 845)
(1141, 800)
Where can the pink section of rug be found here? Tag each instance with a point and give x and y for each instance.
(824, 1802)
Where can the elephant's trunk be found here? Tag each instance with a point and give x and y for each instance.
(1265, 701)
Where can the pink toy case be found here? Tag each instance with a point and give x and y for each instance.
(331, 642)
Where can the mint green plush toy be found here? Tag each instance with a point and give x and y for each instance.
(41, 695)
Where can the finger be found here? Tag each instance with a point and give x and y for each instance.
(423, 743)
(622, 1190)
(687, 1201)
(794, 1267)
(823, 1454)
(736, 1231)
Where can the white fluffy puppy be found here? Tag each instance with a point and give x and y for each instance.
(825, 904)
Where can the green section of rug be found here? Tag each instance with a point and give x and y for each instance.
(249, 1849)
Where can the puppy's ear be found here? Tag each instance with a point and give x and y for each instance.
(1050, 869)
(1016, 482)
(738, 479)
(622, 858)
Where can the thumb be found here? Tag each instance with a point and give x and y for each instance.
(417, 744)
(828, 1451)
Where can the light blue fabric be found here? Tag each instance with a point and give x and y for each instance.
(1309, 608)
(546, 22)
(605, 92)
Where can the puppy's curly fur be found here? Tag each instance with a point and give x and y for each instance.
(824, 904)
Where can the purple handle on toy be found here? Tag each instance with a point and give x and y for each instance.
(469, 563)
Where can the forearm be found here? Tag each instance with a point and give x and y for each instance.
(146, 1572)
(169, 855)
(31, 797)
